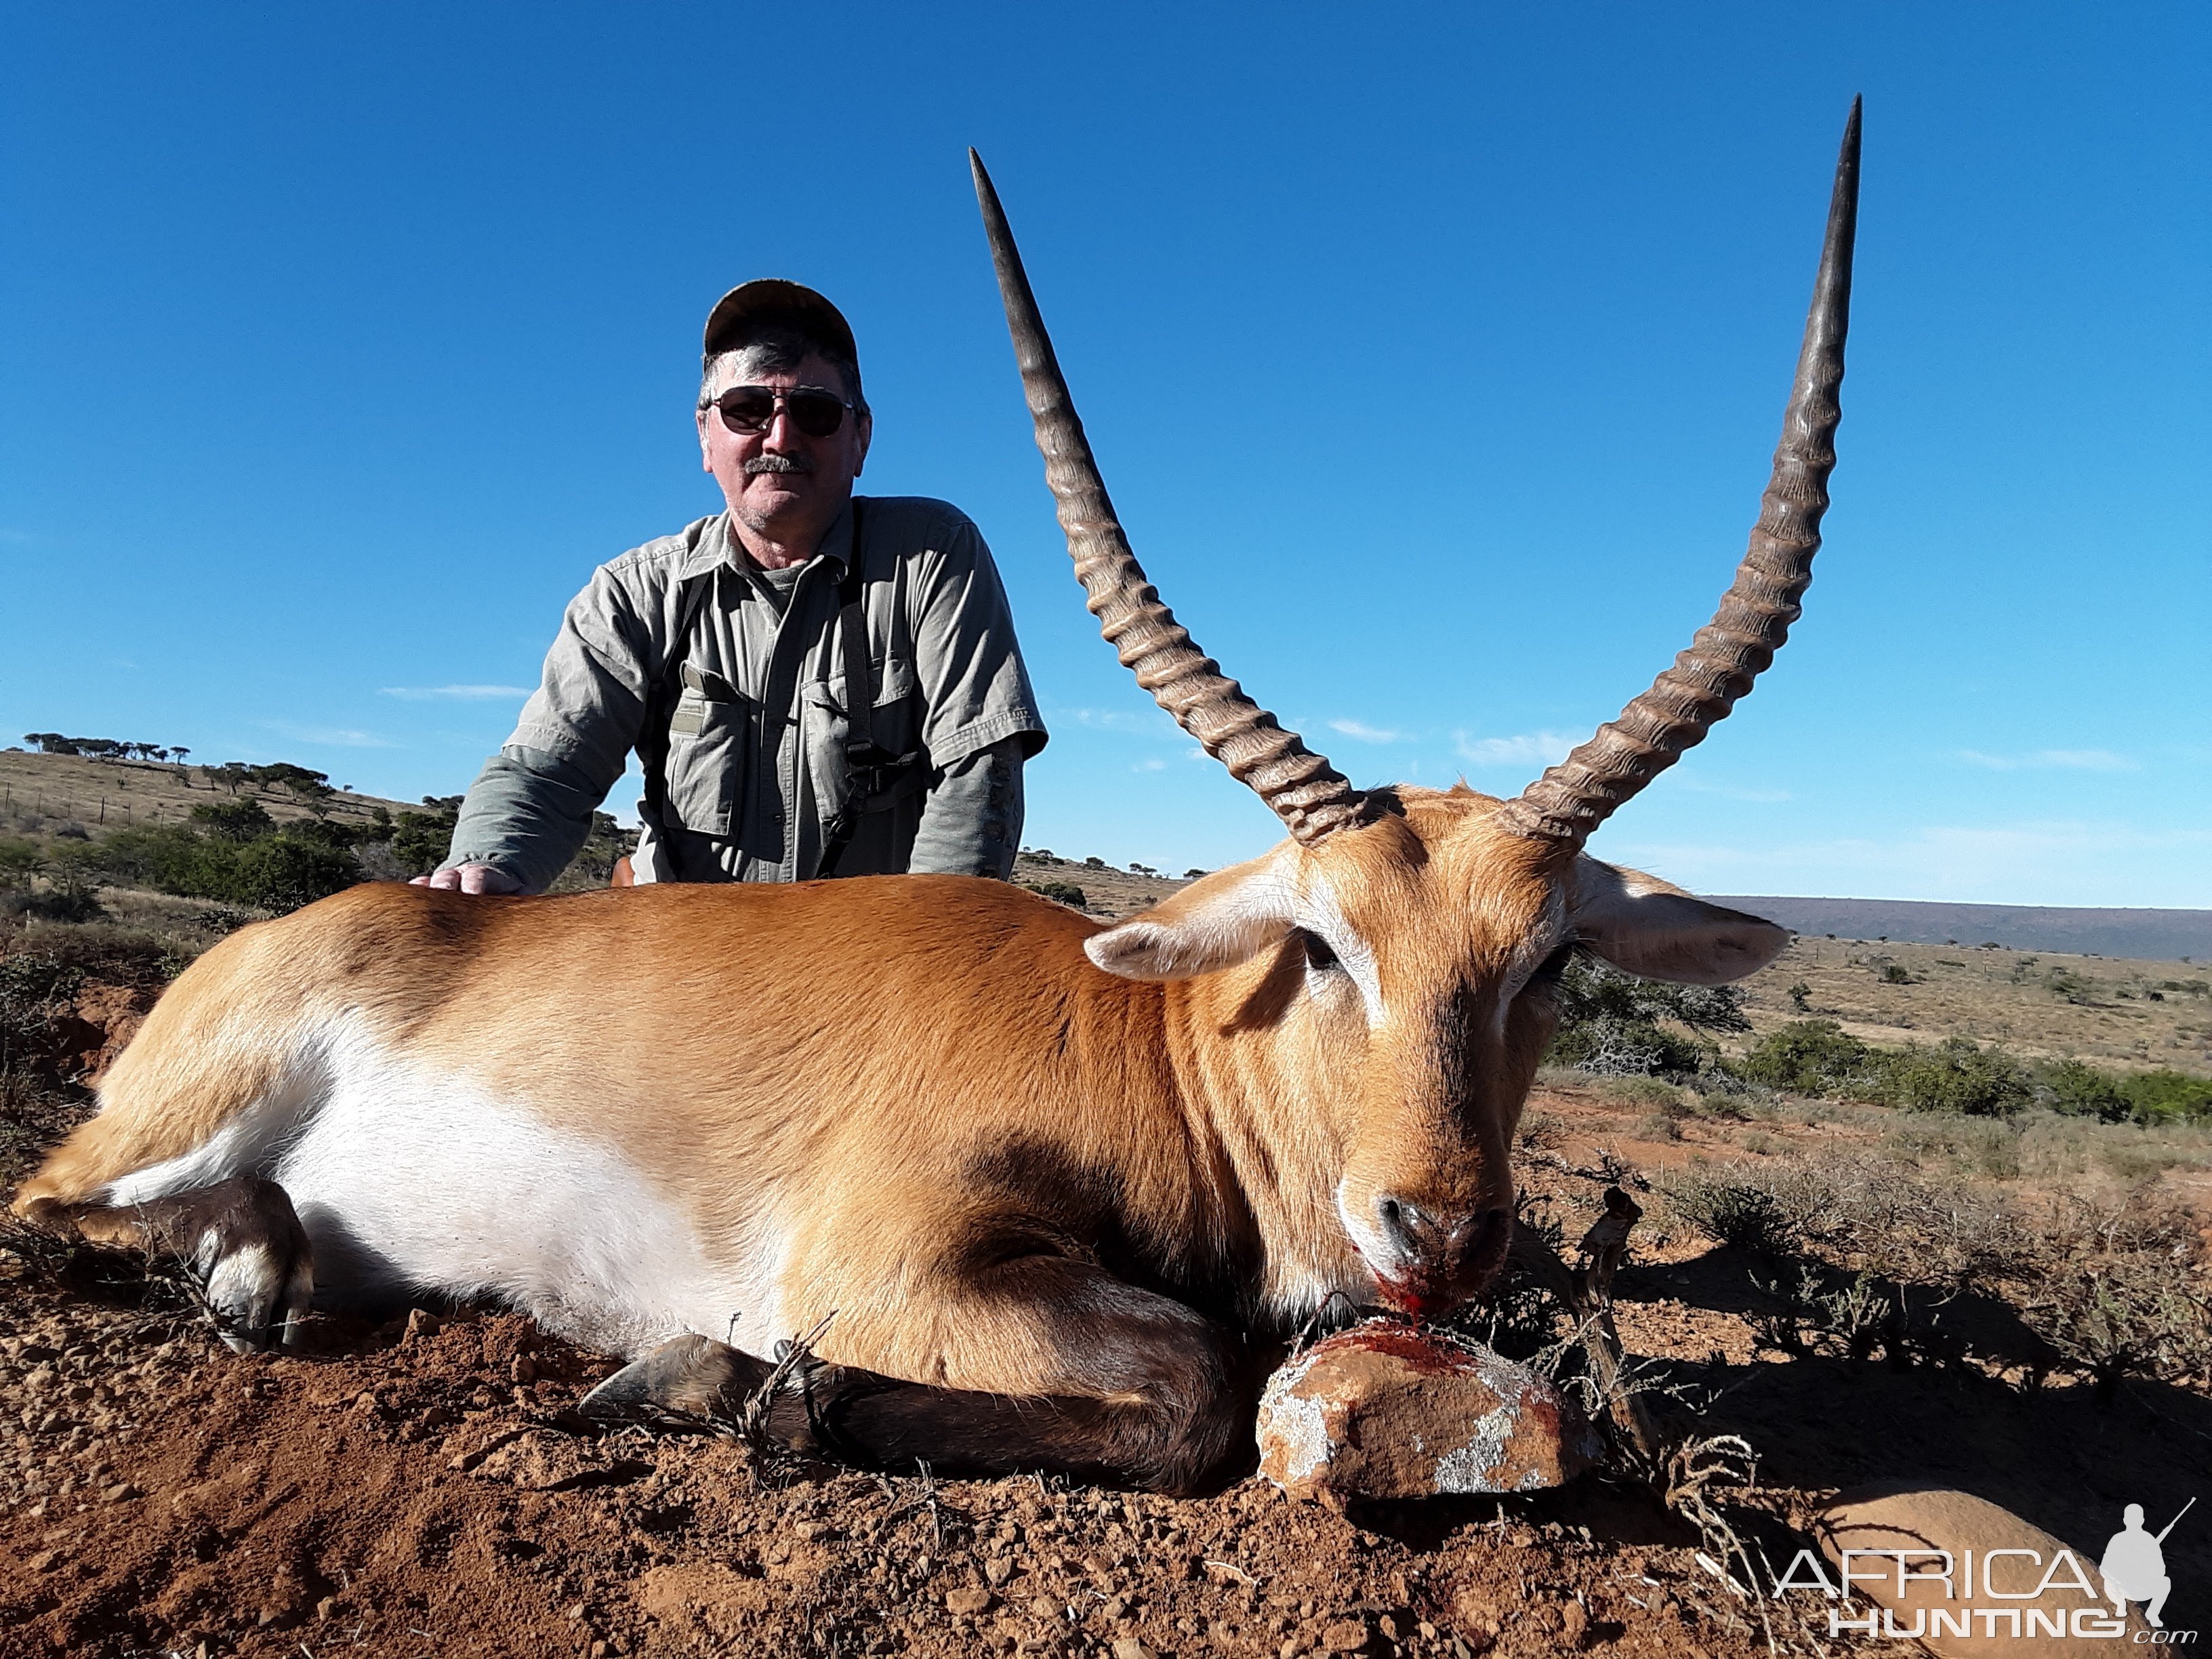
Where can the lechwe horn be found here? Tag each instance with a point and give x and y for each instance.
(1573, 798)
(1301, 788)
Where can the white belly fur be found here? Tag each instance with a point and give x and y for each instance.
(408, 1179)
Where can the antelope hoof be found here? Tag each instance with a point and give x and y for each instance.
(243, 1241)
(690, 1377)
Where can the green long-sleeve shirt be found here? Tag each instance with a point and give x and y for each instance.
(755, 761)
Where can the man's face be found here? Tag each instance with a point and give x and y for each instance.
(780, 483)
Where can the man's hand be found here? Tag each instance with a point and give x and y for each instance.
(469, 879)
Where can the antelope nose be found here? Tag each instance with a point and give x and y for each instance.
(1418, 1233)
(1423, 1236)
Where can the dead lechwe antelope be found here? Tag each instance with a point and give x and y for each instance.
(1057, 1181)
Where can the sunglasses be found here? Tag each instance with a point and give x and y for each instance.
(750, 409)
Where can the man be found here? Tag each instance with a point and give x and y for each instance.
(2134, 1567)
(817, 683)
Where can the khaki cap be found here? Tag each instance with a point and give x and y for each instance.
(771, 299)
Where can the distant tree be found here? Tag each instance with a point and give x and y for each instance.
(76, 870)
(235, 820)
(420, 841)
(20, 860)
(1801, 997)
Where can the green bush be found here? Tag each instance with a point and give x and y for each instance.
(20, 860)
(1806, 1057)
(1617, 1025)
(2165, 1096)
(1733, 1211)
(1819, 1057)
(2080, 1090)
(1060, 892)
(276, 873)
(1956, 1075)
(420, 841)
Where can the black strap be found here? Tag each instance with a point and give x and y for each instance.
(660, 698)
(875, 777)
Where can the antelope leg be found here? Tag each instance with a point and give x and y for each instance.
(1144, 1391)
(241, 1239)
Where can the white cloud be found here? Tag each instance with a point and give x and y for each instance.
(457, 693)
(1699, 785)
(1529, 749)
(1146, 723)
(1150, 766)
(1364, 732)
(2069, 760)
(330, 737)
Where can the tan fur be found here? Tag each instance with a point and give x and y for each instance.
(954, 1111)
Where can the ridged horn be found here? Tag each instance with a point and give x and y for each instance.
(1573, 798)
(1302, 788)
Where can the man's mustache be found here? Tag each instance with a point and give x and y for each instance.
(772, 462)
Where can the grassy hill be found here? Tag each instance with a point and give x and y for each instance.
(2157, 935)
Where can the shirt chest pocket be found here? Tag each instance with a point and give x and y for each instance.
(710, 738)
(894, 723)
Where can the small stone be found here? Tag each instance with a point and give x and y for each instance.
(1128, 1647)
(1382, 1411)
(968, 1601)
(119, 1492)
(998, 1570)
(1891, 1517)
(1474, 1612)
(1345, 1636)
(1574, 1624)
(1045, 1608)
(421, 1323)
(326, 1607)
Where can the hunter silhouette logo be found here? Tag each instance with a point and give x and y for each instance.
(2134, 1566)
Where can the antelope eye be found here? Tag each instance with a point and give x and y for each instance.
(1319, 957)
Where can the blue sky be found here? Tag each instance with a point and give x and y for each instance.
(1434, 357)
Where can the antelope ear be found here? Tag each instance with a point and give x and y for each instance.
(1653, 929)
(1218, 922)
